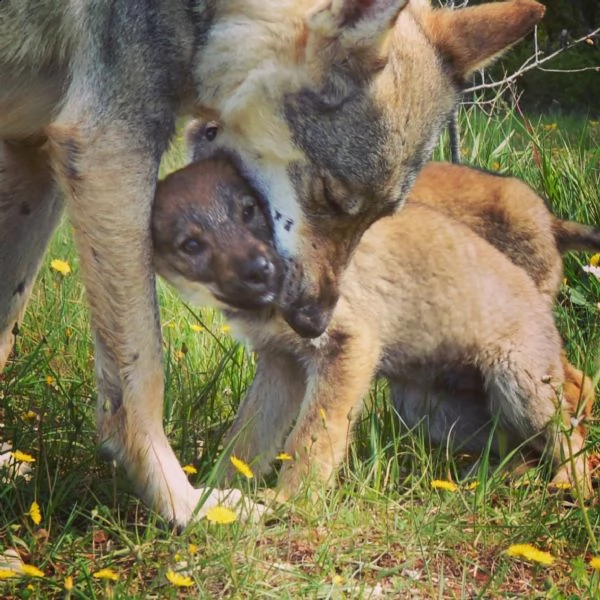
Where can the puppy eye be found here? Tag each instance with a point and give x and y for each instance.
(193, 246)
(248, 208)
(211, 131)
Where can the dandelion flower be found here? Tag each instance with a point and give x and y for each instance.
(226, 329)
(595, 562)
(337, 580)
(22, 456)
(441, 484)
(60, 266)
(472, 486)
(531, 553)
(190, 469)
(193, 549)
(49, 380)
(106, 574)
(284, 456)
(179, 580)
(29, 415)
(561, 485)
(220, 515)
(242, 467)
(32, 571)
(35, 514)
(68, 585)
(495, 166)
(196, 328)
(595, 260)
(7, 574)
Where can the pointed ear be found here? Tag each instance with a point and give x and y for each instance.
(354, 21)
(472, 37)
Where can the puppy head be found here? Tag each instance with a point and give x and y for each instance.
(212, 240)
(331, 107)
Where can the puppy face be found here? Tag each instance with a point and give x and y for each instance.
(212, 239)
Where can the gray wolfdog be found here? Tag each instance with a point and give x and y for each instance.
(331, 108)
(463, 334)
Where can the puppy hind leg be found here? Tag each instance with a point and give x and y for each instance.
(30, 208)
(524, 386)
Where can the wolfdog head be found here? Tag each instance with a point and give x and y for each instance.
(330, 108)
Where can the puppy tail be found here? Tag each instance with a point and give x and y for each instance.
(570, 235)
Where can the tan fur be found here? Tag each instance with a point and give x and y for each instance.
(88, 100)
(461, 332)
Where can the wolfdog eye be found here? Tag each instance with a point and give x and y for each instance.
(211, 131)
(192, 246)
(248, 208)
(330, 199)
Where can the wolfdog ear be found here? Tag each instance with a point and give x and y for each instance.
(472, 37)
(355, 20)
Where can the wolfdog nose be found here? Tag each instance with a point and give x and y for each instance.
(257, 272)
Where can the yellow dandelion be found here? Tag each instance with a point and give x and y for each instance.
(550, 127)
(29, 415)
(595, 260)
(220, 515)
(495, 166)
(7, 574)
(196, 328)
(32, 571)
(22, 456)
(60, 266)
(472, 486)
(179, 355)
(561, 485)
(226, 329)
(106, 574)
(242, 467)
(337, 580)
(49, 380)
(441, 484)
(595, 562)
(68, 332)
(34, 513)
(529, 552)
(193, 549)
(284, 456)
(68, 584)
(179, 580)
(190, 469)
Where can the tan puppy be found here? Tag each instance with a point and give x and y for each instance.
(461, 332)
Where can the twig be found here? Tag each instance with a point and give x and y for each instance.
(537, 62)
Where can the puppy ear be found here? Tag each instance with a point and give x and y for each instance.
(470, 38)
(355, 22)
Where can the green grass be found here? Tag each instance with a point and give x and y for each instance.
(382, 532)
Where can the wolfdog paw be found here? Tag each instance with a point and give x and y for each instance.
(245, 509)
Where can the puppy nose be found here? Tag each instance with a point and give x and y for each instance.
(257, 272)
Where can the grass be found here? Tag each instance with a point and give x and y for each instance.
(383, 532)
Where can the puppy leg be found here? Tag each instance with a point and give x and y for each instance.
(338, 379)
(30, 207)
(524, 381)
(267, 412)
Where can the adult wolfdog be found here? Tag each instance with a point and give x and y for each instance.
(330, 107)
